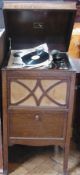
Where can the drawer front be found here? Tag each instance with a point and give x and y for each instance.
(37, 125)
(38, 92)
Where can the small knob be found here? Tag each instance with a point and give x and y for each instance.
(37, 117)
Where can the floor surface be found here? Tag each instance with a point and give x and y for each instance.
(25, 160)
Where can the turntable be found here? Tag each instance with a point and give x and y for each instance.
(37, 103)
(39, 57)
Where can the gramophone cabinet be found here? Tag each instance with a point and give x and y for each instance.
(37, 103)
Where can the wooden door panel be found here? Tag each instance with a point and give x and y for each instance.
(37, 124)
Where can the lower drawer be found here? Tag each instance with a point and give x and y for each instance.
(37, 124)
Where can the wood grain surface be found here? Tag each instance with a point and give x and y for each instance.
(40, 5)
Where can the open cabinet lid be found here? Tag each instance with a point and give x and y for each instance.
(30, 23)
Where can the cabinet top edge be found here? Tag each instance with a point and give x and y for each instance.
(40, 5)
(40, 71)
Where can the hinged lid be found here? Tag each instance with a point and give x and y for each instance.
(30, 23)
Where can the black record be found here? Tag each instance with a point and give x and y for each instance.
(41, 57)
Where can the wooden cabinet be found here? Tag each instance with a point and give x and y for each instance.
(37, 103)
(35, 112)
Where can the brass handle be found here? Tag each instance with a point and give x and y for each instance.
(37, 117)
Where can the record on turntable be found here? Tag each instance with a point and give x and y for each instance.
(39, 57)
(35, 57)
